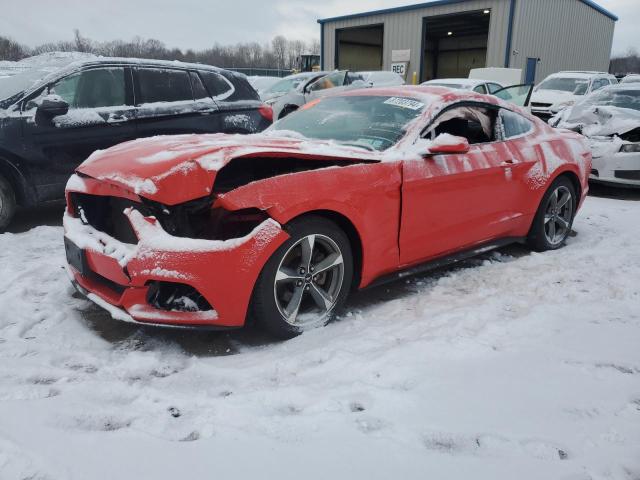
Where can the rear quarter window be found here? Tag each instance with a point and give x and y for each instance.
(514, 124)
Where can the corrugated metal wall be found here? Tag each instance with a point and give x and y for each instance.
(564, 34)
(403, 30)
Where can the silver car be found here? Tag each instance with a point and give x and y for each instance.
(309, 86)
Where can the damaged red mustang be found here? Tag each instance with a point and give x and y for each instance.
(351, 190)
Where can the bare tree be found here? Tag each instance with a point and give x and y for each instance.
(11, 50)
(280, 53)
(279, 47)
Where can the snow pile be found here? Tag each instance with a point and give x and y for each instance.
(524, 366)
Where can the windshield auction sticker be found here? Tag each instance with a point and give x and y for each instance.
(405, 103)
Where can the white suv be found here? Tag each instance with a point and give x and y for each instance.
(563, 89)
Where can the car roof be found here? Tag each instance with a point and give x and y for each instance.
(305, 75)
(578, 74)
(462, 81)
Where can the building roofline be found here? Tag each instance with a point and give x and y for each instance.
(436, 3)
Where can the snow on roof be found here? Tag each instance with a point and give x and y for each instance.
(575, 74)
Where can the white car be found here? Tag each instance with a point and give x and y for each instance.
(632, 78)
(476, 85)
(564, 89)
(311, 87)
(382, 78)
(610, 119)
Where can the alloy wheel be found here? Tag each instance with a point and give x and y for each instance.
(308, 281)
(558, 215)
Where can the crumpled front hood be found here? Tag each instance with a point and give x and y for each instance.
(175, 169)
(596, 120)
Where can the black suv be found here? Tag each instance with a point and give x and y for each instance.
(59, 110)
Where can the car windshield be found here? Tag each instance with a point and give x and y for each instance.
(577, 86)
(27, 73)
(621, 98)
(368, 122)
(287, 84)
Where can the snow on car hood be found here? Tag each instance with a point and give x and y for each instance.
(597, 120)
(175, 169)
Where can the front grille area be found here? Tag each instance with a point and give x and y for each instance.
(106, 214)
(627, 174)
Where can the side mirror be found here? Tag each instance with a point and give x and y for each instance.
(52, 106)
(446, 144)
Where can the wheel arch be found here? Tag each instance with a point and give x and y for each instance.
(575, 181)
(347, 226)
(17, 181)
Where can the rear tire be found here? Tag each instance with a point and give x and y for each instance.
(7, 203)
(305, 281)
(554, 219)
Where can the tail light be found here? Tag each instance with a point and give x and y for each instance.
(266, 111)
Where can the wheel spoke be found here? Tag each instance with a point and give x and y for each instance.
(564, 199)
(287, 274)
(552, 231)
(294, 304)
(331, 261)
(562, 222)
(321, 297)
(307, 251)
(547, 218)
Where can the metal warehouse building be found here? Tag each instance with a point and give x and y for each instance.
(447, 38)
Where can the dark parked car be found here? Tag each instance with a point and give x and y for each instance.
(55, 114)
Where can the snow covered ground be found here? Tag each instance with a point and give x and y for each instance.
(514, 366)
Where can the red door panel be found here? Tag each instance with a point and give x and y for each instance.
(453, 202)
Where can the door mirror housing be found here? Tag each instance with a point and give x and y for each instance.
(53, 106)
(448, 145)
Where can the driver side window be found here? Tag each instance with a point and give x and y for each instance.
(100, 87)
(475, 123)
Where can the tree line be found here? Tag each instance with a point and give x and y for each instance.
(280, 53)
(627, 63)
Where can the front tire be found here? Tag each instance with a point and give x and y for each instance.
(305, 281)
(7, 203)
(554, 218)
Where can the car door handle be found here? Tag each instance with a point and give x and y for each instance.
(117, 119)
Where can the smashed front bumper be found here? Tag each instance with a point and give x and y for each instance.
(612, 166)
(213, 279)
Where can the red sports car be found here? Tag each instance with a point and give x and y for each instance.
(351, 190)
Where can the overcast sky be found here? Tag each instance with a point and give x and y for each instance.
(200, 23)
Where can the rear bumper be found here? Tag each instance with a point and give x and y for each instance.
(118, 276)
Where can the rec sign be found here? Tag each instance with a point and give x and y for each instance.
(400, 68)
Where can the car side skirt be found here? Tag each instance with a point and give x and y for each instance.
(444, 261)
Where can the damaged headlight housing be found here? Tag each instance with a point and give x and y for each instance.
(630, 148)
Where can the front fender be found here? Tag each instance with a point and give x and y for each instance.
(368, 195)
